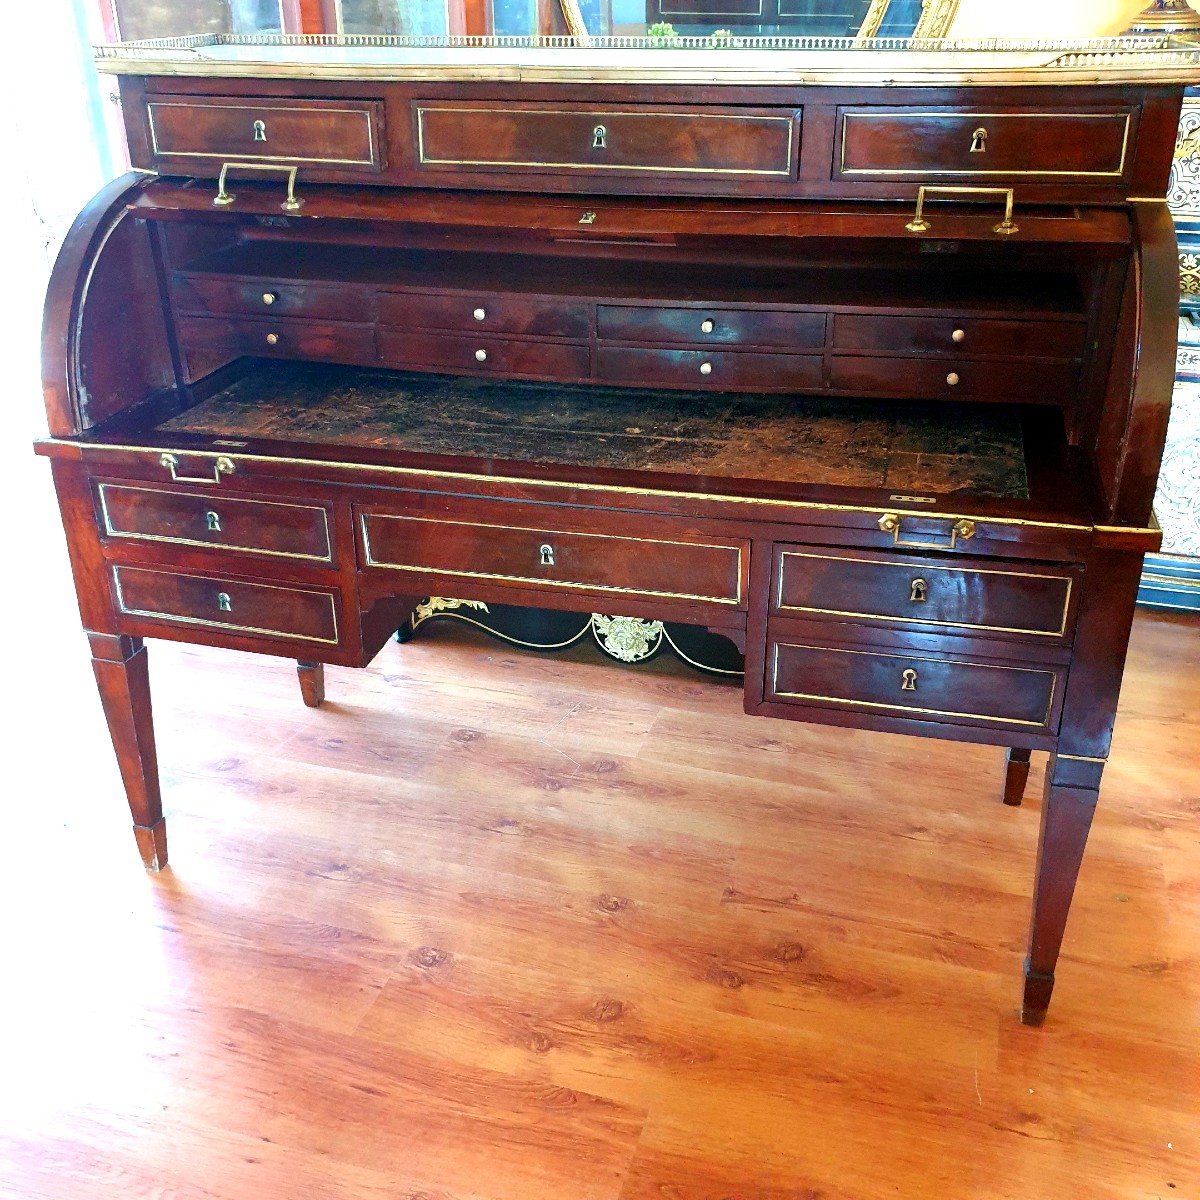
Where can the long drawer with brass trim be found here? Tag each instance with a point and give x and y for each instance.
(215, 521)
(202, 294)
(584, 139)
(230, 605)
(1001, 143)
(337, 135)
(927, 686)
(959, 595)
(551, 558)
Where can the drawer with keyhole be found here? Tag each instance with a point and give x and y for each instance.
(1031, 601)
(214, 520)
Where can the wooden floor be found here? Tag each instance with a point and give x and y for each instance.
(499, 927)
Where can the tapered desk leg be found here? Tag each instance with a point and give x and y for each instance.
(1016, 775)
(312, 682)
(124, 681)
(1066, 820)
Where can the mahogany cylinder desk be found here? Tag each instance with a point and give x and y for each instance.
(859, 358)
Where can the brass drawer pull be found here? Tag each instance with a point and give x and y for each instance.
(954, 379)
(223, 466)
(959, 335)
(908, 680)
(963, 528)
(919, 224)
(224, 198)
(546, 555)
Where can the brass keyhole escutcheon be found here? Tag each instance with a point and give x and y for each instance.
(213, 521)
(223, 602)
(908, 680)
(979, 141)
(546, 555)
(920, 591)
(599, 138)
(260, 131)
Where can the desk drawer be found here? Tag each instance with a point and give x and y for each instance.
(963, 596)
(953, 379)
(554, 558)
(964, 337)
(582, 139)
(483, 355)
(210, 295)
(719, 370)
(718, 326)
(922, 686)
(1014, 143)
(330, 134)
(526, 315)
(290, 337)
(212, 602)
(212, 520)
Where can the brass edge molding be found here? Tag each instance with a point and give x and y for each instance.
(84, 448)
(372, 159)
(693, 663)
(112, 531)
(903, 708)
(541, 164)
(918, 567)
(539, 581)
(205, 622)
(923, 172)
(1080, 758)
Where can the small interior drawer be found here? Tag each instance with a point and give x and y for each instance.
(270, 610)
(484, 355)
(930, 141)
(715, 370)
(220, 522)
(484, 313)
(964, 337)
(717, 326)
(956, 379)
(551, 558)
(464, 136)
(965, 595)
(220, 296)
(893, 682)
(329, 134)
(289, 337)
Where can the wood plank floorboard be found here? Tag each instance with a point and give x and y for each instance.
(492, 926)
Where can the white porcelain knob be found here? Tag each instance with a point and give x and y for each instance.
(481, 356)
(959, 335)
(707, 326)
(480, 314)
(269, 297)
(706, 368)
(953, 379)
(272, 338)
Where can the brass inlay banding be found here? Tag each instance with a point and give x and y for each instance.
(921, 172)
(542, 581)
(112, 531)
(785, 171)
(205, 622)
(905, 708)
(908, 568)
